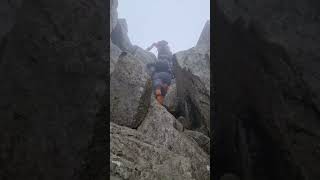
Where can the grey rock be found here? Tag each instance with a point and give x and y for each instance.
(193, 89)
(192, 71)
(197, 63)
(134, 156)
(178, 126)
(204, 40)
(145, 56)
(114, 56)
(113, 14)
(119, 36)
(170, 99)
(158, 127)
(130, 91)
(202, 140)
(184, 121)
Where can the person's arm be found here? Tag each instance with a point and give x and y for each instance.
(149, 48)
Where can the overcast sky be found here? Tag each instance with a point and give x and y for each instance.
(179, 22)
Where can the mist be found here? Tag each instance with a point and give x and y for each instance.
(179, 22)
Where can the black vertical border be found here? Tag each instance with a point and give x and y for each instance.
(97, 166)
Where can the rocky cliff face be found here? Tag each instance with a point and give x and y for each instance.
(147, 140)
(267, 89)
(192, 69)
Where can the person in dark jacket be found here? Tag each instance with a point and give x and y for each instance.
(163, 49)
(161, 79)
(164, 52)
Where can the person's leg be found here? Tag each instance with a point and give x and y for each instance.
(157, 84)
(159, 96)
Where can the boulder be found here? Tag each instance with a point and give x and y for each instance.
(130, 91)
(119, 36)
(158, 127)
(135, 156)
(197, 62)
(171, 100)
(113, 14)
(202, 140)
(193, 98)
(178, 125)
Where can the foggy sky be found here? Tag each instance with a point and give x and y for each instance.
(179, 22)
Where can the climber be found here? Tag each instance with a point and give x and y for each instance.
(161, 79)
(164, 52)
(162, 72)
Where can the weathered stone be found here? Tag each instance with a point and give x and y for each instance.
(178, 126)
(119, 36)
(202, 140)
(114, 56)
(192, 71)
(193, 100)
(130, 91)
(197, 63)
(113, 14)
(170, 99)
(135, 156)
(145, 56)
(203, 43)
(158, 127)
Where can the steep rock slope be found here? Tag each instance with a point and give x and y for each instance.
(52, 77)
(147, 142)
(156, 151)
(266, 91)
(192, 69)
